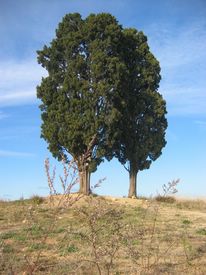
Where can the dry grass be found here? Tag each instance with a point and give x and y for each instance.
(73, 234)
(192, 204)
(102, 236)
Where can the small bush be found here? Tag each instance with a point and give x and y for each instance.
(166, 199)
(36, 199)
(186, 222)
(72, 248)
(35, 231)
(68, 249)
(202, 231)
(8, 235)
(8, 249)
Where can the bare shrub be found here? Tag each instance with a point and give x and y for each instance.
(146, 243)
(36, 228)
(101, 233)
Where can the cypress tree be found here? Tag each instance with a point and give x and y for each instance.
(141, 130)
(84, 69)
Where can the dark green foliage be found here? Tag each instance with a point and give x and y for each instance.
(141, 131)
(100, 97)
(81, 78)
(83, 67)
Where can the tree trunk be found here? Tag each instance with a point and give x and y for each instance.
(84, 181)
(88, 178)
(132, 182)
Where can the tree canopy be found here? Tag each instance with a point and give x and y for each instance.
(100, 98)
(141, 134)
(83, 67)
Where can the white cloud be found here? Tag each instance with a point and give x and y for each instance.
(182, 56)
(184, 100)
(18, 82)
(18, 132)
(27, 71)
(15, 97)
(5, 153)
(177, 46)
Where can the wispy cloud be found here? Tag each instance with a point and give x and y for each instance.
(182, 56)
(184, 100)
(201, 124)
(4, 153)
(3, 115)
(15, 97)
(18, 82)
(18, 132)
(177, 46)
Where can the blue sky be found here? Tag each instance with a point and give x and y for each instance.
(176, 33)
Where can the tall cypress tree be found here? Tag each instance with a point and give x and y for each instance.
(84, 71)
(141, 129)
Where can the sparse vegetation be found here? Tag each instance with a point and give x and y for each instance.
(195, 204)
(74, 234)
(36, 199)
(166, 199)
(186, 222)
(99, 235)
(201, 231)
(87, 235)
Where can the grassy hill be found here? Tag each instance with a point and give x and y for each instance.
(102, 235)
